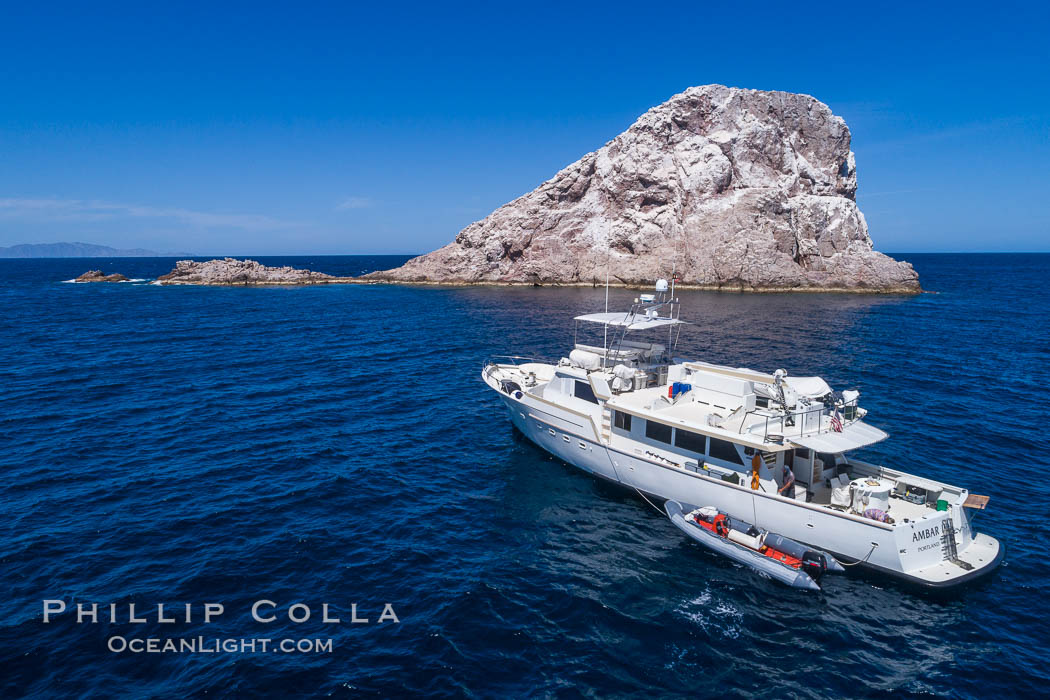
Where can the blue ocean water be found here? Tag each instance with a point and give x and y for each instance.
(335, 445)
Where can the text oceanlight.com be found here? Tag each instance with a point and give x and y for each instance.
(229, 645)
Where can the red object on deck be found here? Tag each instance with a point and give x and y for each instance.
(780, 556)
(768, 551)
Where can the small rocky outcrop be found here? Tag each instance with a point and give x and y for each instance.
(734, 189)
(99, 276)
(234, 272)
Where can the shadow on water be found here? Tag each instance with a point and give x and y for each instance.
(888, 632)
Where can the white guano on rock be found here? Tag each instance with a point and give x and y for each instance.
(251, 273)
(737, 189)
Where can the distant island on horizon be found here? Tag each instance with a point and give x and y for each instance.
(80, 250)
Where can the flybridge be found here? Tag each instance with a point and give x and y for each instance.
(629, 320)
(644, 314)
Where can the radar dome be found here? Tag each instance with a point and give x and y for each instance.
(661, 285)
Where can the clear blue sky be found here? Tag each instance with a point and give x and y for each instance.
(387, 127)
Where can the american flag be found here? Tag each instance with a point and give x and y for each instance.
(836, 421)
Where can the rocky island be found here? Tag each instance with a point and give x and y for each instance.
(245, 273)
(99, 276)
(733, 189)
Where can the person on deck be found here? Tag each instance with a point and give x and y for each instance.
(787, 487)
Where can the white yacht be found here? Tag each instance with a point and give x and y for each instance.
(707, 435)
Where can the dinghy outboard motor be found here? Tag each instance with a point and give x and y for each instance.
(814, 565)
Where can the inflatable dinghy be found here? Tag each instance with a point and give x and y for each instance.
(785, 560)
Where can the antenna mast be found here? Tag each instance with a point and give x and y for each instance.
(605, 326)
(674, 265)
(674, 278)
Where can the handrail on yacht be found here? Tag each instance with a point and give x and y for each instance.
(543, 360)
(800, 420)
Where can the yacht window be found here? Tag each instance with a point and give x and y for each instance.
(584, 391)
(721, 449)
(690, 441)
(622, 420)
(658, 431)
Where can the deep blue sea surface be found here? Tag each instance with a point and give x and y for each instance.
(335, 445)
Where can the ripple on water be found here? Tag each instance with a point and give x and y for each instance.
(336, 445)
